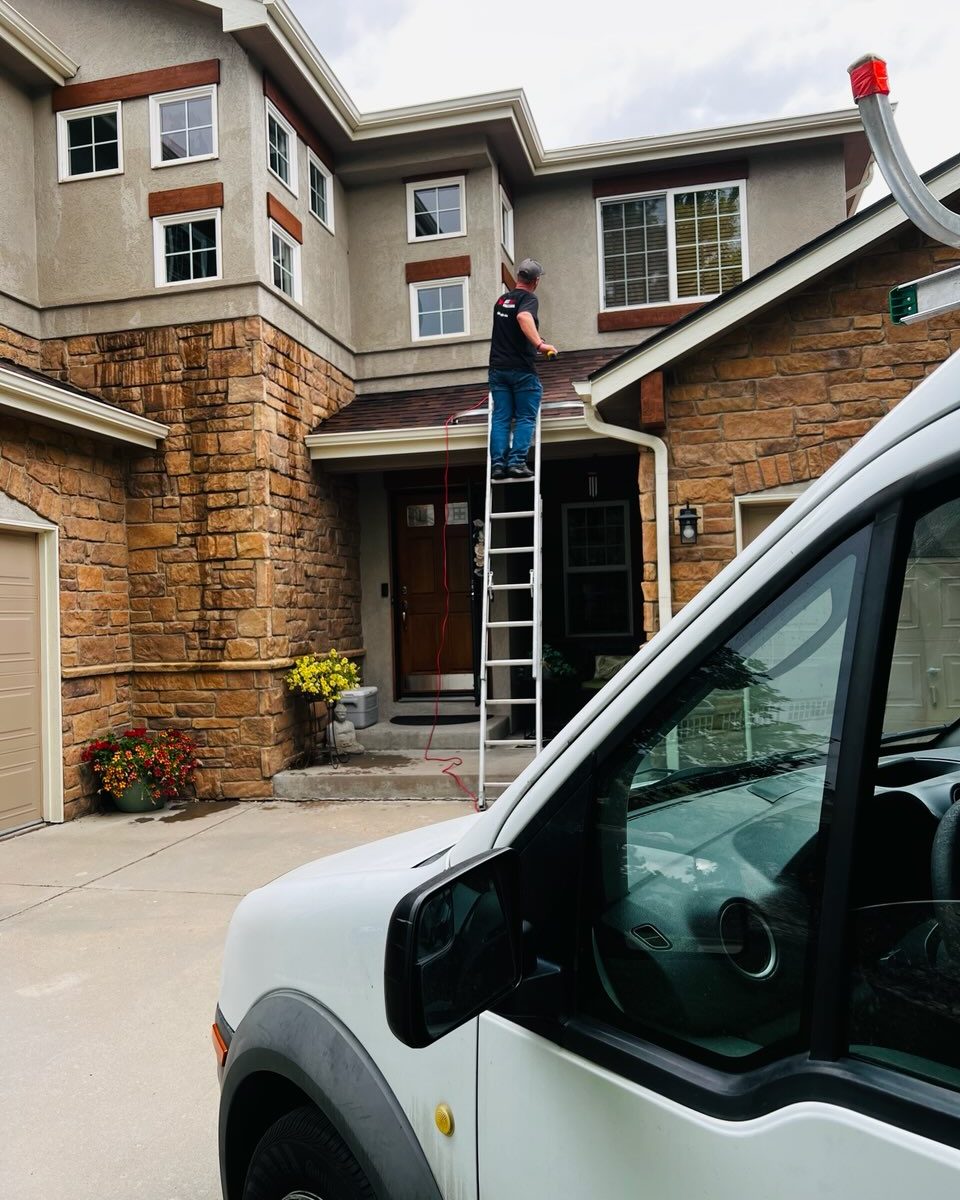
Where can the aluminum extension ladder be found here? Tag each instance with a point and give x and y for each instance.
(512, 539)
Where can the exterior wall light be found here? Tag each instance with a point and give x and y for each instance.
(689, 521)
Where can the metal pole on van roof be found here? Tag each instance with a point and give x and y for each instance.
(938, 293)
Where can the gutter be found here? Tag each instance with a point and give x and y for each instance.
(647, 441)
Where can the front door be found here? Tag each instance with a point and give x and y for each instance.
(421, 591)
(21, 771)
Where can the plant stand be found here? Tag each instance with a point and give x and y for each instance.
(335, 756)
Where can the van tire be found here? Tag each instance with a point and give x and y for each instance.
(301, 1153)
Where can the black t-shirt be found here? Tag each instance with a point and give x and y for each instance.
(510, 350)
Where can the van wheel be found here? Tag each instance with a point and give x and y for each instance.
(300, 1157)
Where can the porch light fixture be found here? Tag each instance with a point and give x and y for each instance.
(689, 522)
(592, 485)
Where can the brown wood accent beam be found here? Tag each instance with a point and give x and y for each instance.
(643, 318)
(305, 131)
(438, 268)
(653, 181)
(133, 87)
(506, 277)
(190, 199)
(284, 218)
(653, 412)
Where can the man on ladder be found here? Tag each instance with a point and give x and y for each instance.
(514, 383)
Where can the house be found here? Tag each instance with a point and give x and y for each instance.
(235, 315)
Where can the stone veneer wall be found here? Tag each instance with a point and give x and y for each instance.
(239, 553)
(778, 400)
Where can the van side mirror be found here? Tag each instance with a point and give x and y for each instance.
(453, 948)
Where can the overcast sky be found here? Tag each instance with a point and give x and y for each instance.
(627, 68)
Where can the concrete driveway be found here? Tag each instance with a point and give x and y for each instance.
(111, 931)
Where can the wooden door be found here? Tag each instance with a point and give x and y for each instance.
(21, 770)
(420, 594)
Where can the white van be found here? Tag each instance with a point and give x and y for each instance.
(708, 945)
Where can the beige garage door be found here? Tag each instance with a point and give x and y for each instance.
(21, 774)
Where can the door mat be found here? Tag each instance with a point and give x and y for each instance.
(448, 719)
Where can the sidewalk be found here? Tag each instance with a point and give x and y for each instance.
(111, 931)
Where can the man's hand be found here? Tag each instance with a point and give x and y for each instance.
(548, 351)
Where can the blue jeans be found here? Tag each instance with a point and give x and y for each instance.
(516, 398)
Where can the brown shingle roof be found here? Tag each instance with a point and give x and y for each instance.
(28, 373)
(432, 406)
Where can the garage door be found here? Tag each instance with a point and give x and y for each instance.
(21, 776)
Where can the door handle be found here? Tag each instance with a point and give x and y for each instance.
(933, 676)
(403, 613)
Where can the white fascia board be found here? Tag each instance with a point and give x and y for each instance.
(47, 402)
(380, 443)
(35, 46)
(722, 315)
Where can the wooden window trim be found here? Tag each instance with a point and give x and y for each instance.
(506, 278)
(282, 216)
(656, 181)
(438, 268)
(643, 318)
(298, 122)
(181, 200)
(135, 86)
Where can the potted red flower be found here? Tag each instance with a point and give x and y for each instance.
(140, 770)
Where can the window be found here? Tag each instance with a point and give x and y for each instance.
(321, 191)
(683, 244)
(506, 224)
(285, 262)
(183, 126)
(281, 148)
(706, 848)
(435, 209)
(904, 1003)
(90, 141)
(439, 309)
(598, 591)
(187, 247)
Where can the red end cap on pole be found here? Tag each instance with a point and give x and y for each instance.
(868, 77)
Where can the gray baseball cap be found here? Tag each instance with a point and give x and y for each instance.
(530, 269)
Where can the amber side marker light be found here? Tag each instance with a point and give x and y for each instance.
(219, 1045)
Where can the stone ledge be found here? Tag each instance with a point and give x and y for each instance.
(170, 668)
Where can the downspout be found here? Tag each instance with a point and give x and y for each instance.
(647, 441)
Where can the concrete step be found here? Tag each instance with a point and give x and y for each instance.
(465, 736)
(396, 775)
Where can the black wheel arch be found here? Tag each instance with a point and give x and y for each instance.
(290, 1050)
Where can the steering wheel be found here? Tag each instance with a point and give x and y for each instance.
(945, 880)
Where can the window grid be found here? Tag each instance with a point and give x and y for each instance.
(90, 141)
(596, 543)
(682, 243)
(285, 263)
(281, 149)
(321, 191)
(439, 309)
(435, 209)
(185, 126)
(187, 248)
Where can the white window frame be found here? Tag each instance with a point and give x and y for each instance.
(63, 149)
(668, 194)
(157, 100)
(784, 495)
(464, 281)
(314, 162)
(419, 186)
(626, 569)
(273, 113)
(281, 233)
(159, 248)
(506, 223)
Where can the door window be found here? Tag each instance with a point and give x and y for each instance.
(705, 874)
(904, 1002)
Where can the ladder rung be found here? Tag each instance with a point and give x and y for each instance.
(509, 624)
(509, 587)
(509, 662)
(513, 479)
(498, 782)
(512, 700)
(509, 516)
(510, 741)
(511, 549)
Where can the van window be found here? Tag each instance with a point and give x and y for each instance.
(705, 865)
(904, 1003)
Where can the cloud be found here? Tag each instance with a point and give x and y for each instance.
(616, 68)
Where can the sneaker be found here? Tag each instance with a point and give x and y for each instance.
(498, 471)
(521, 471)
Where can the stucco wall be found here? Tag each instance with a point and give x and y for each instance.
(376, 611)
(18, 262)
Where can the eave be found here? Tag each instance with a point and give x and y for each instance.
(46, 402)
(37, 51)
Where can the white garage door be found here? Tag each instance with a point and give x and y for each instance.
(21, 774)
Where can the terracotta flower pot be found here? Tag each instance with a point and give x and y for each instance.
(138, 798)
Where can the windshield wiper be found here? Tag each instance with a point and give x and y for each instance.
(905, 734)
